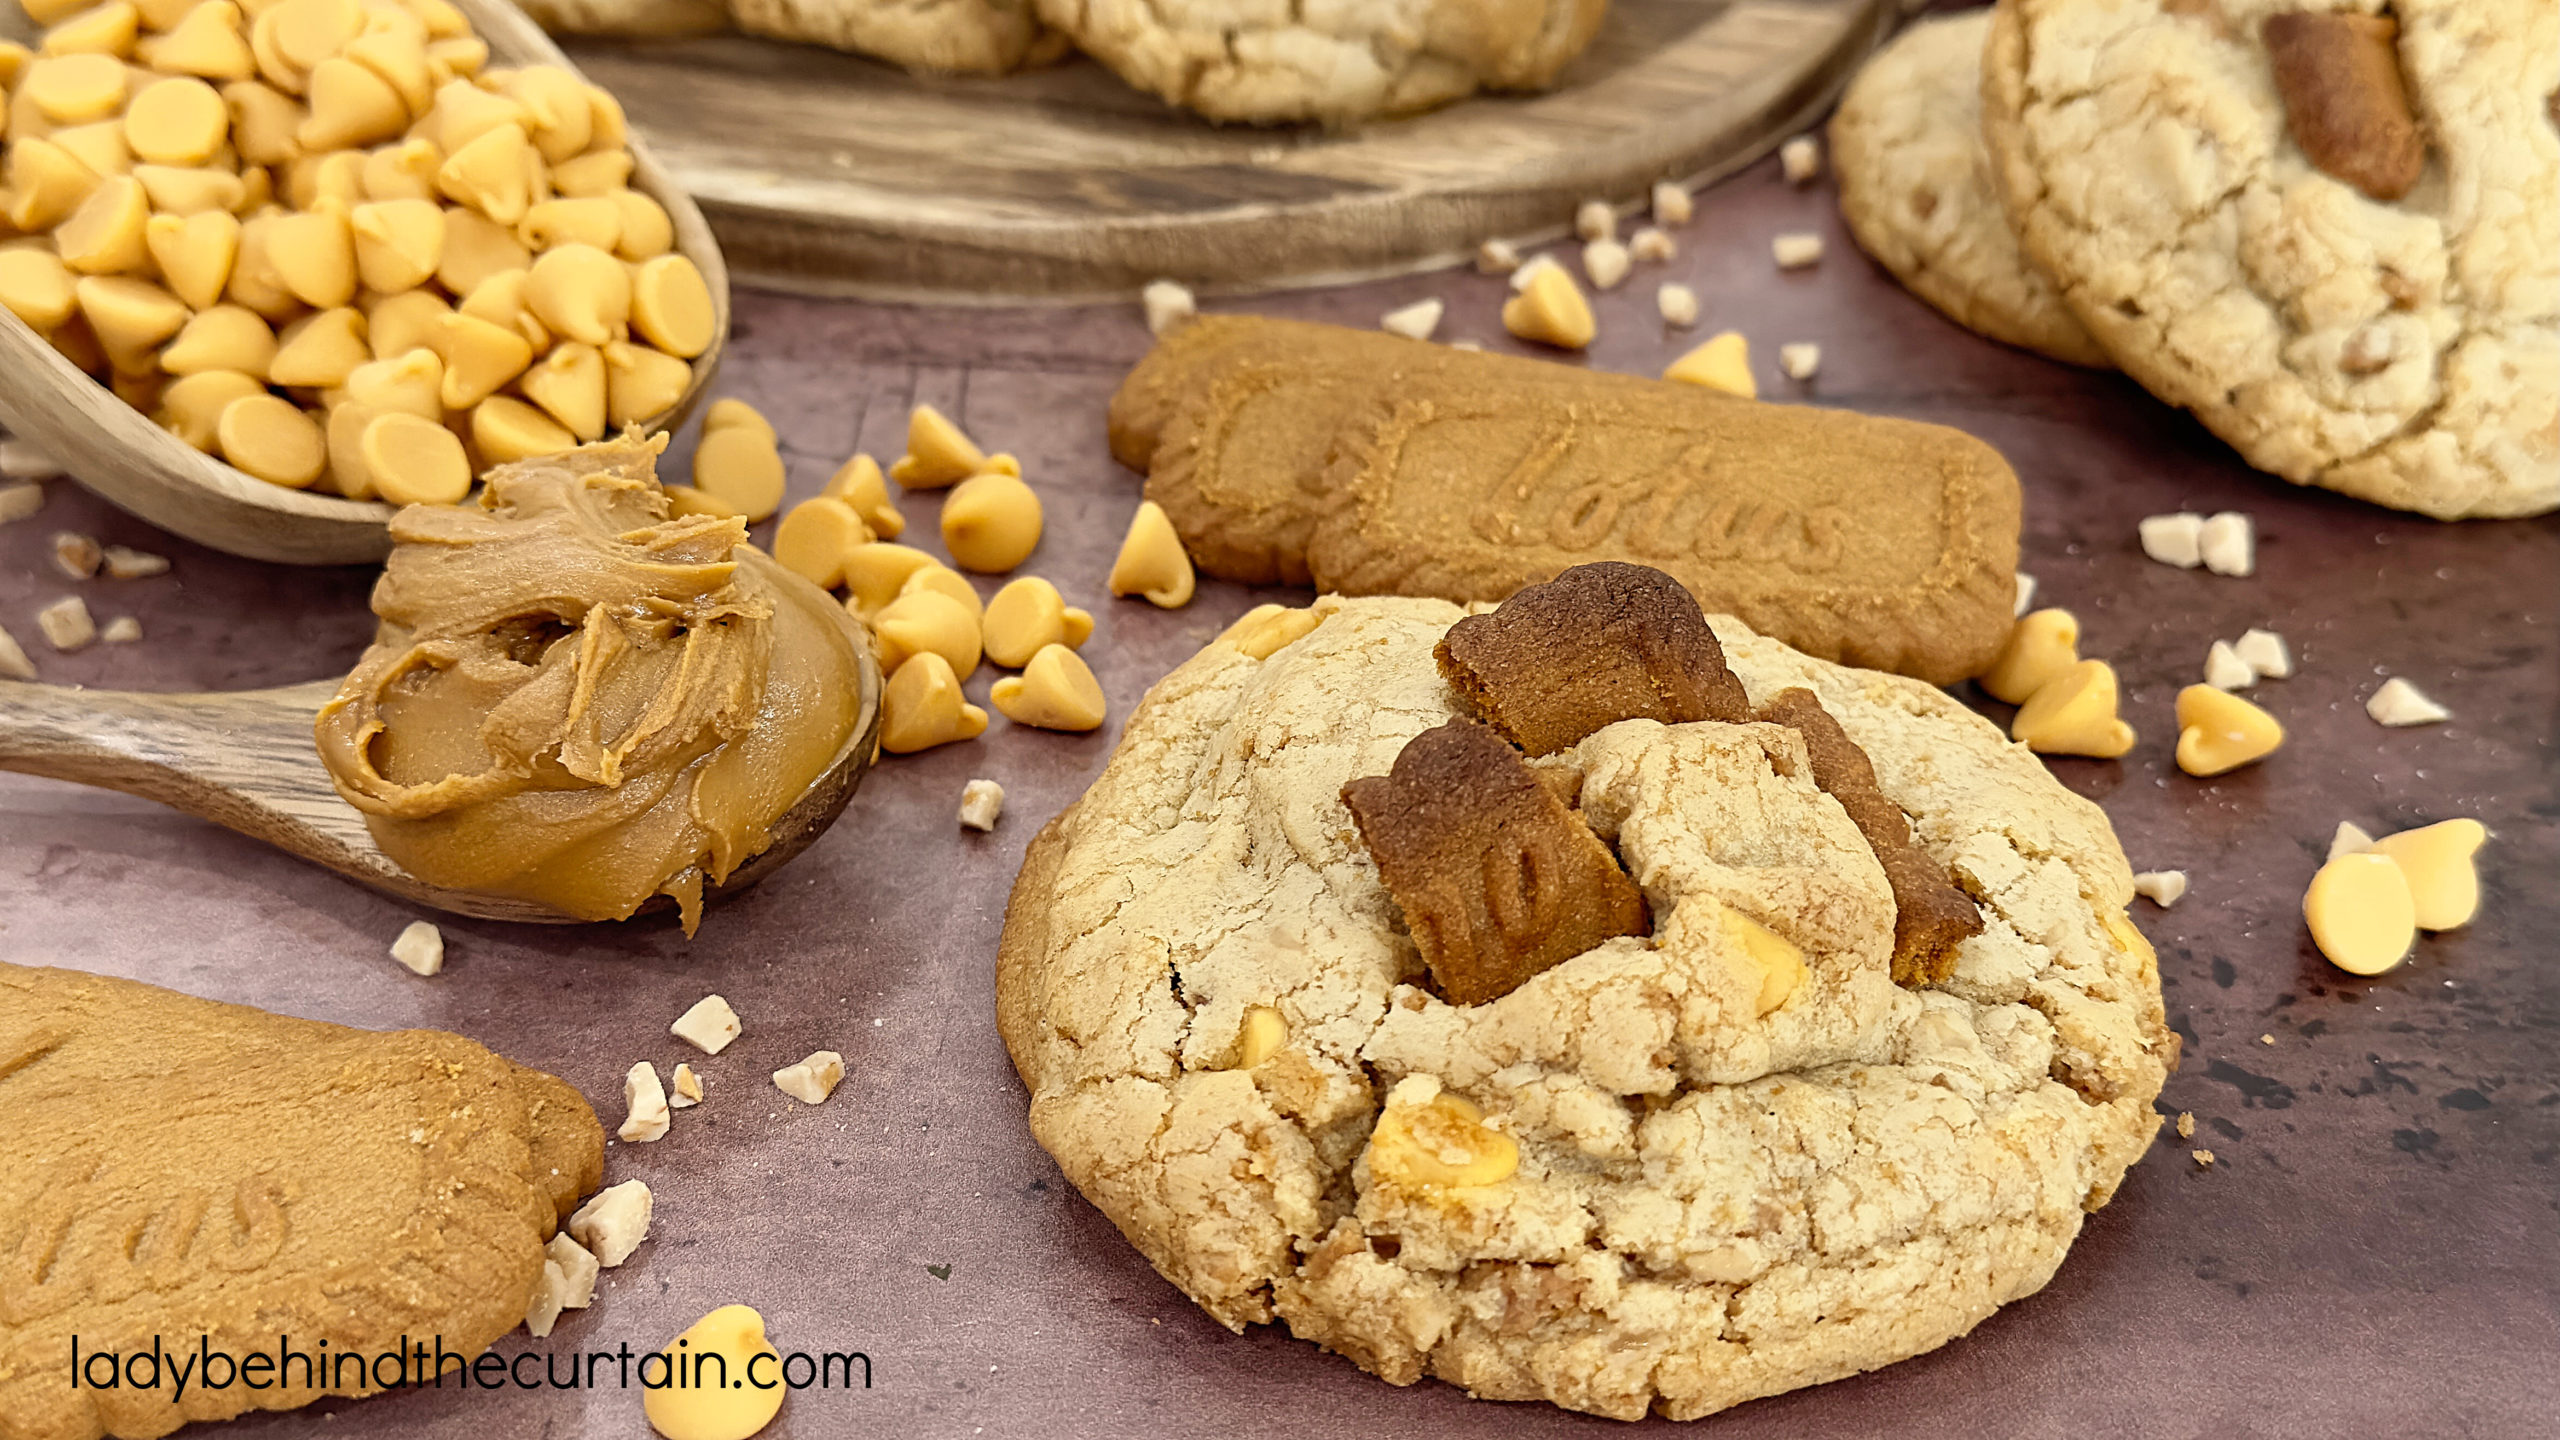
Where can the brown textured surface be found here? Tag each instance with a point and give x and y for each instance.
(2370, 1254)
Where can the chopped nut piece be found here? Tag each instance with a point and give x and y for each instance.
(645, 1102)
(981, 801)
(1595, 220)
(1415, 321)
(1799, 361)
(2436, 860)
(2186, 1125)
(1800, 159)
(20, 500)
(76, 555)
(2345, 103)
(14, 664)
(1672, 204)
(1167, 305)
(2348, 839)
(2163, 888)
(812, 1080)
(709, 1026)
(66, 623)
(684, 1089)
(1606, 262)
(1652, 243)
(2361, 913)
(2399, 703)
(1497, 257)
(2225, 670)
(2227, 544)
(614, 1222)
(125, 563)
(2203, 1159)
(2026, 594)
(2265, 652)
(2174, 539)
(23, 459)
(1796, 249)
(577, 1265)
(1678, 304)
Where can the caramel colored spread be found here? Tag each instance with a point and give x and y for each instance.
(575, 700)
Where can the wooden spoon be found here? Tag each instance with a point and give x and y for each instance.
(115, 450)
(245, 760)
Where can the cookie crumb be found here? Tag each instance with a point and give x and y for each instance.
(2397, 703)
(1796, 249)
(1167, 304)
(684, 1088)
(19, 501)
(2186, 1125)
(2204, 1159)
(2026, 594)
(14, 664)
(981, 802)
(709, 1026)
(1652, 243)
(644, 1102)
(1594, 220)
(1800, 360)
(420, 948)
(23, 459)
(1800, 159)
(1678, 304)
(2225, 670)
(1415, 321)
(812, 1080)
(1672, 204)
(122, 630)
(2228, 544)
(76, 555)
(614, 1222)
(2266, 653)
(1497, 257)
(123, 562)
(2349, 839)
(1606, 262)
(2173, 539)
(2163, 888)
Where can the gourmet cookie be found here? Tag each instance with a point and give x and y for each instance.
(1916, 189)
(643, 18)
(2330, 230)
(212, 1176)
(1721, 1159)
(969, 37)
(1335, 65)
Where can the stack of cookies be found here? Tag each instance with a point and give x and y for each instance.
(2329, 228)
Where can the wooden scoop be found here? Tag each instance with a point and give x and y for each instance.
(116, 450)
(245, 760)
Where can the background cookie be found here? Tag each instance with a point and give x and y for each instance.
(1203, 986)
(1916, 189)
(1335, 64)
(628, 17)
(2405, 351)
(970, 37)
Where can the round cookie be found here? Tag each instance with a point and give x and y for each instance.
(967, 37)
(1213, 1002)
(1916, 189)
(1335, 65)
(2405, 349)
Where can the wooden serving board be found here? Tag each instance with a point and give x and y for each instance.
(826, 173)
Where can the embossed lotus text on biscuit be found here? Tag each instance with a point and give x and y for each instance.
(81, 1241)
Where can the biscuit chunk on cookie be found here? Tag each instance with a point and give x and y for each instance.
(1497, 879)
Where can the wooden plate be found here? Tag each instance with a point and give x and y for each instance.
(824, 173)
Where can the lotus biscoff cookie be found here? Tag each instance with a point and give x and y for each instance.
(210, 1177)
(1719, 1158)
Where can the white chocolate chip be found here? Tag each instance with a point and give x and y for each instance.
(1527, 270)
(684, 1089)
(2174, 539)
(709, 1026)
(2026, 594)
(123, 562)
(1594, 220)
(1800, 360)
(2399, 703)
(19, 501)
(76, 555)
(1415, 321)
(550, 1294)
(2163, 888)
(1678, 304)
(1672, 204)
(2349, 839)
(1606, 262)
(1653, 244)
(23, 459)
(644, 1102)
(1800, 159)
(614, 1223)
(66, 623)
(2266, 653)
(1497, 257)
(812, 1080)
(981, 801)
(577, 1267)
(1796, 249)
(420, 948)
(2225, 670)
(14, 664)
(1167, 305)
(122, 630)
(2228, 544)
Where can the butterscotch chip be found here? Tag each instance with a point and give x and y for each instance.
(1598, 644)
(1497, 881)
(2344, 101)
(1931, 916)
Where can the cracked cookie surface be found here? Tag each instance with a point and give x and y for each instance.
(1916, 189)
(1716, 1195)
(2405, 352)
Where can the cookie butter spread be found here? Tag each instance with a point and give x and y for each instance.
(576, 700)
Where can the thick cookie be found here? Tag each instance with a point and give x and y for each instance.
(2163, 161)
(1271, 65)
(1916, 189)
(652, 19)
(1643, 1180)
(968, 37)
(180, 1168)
